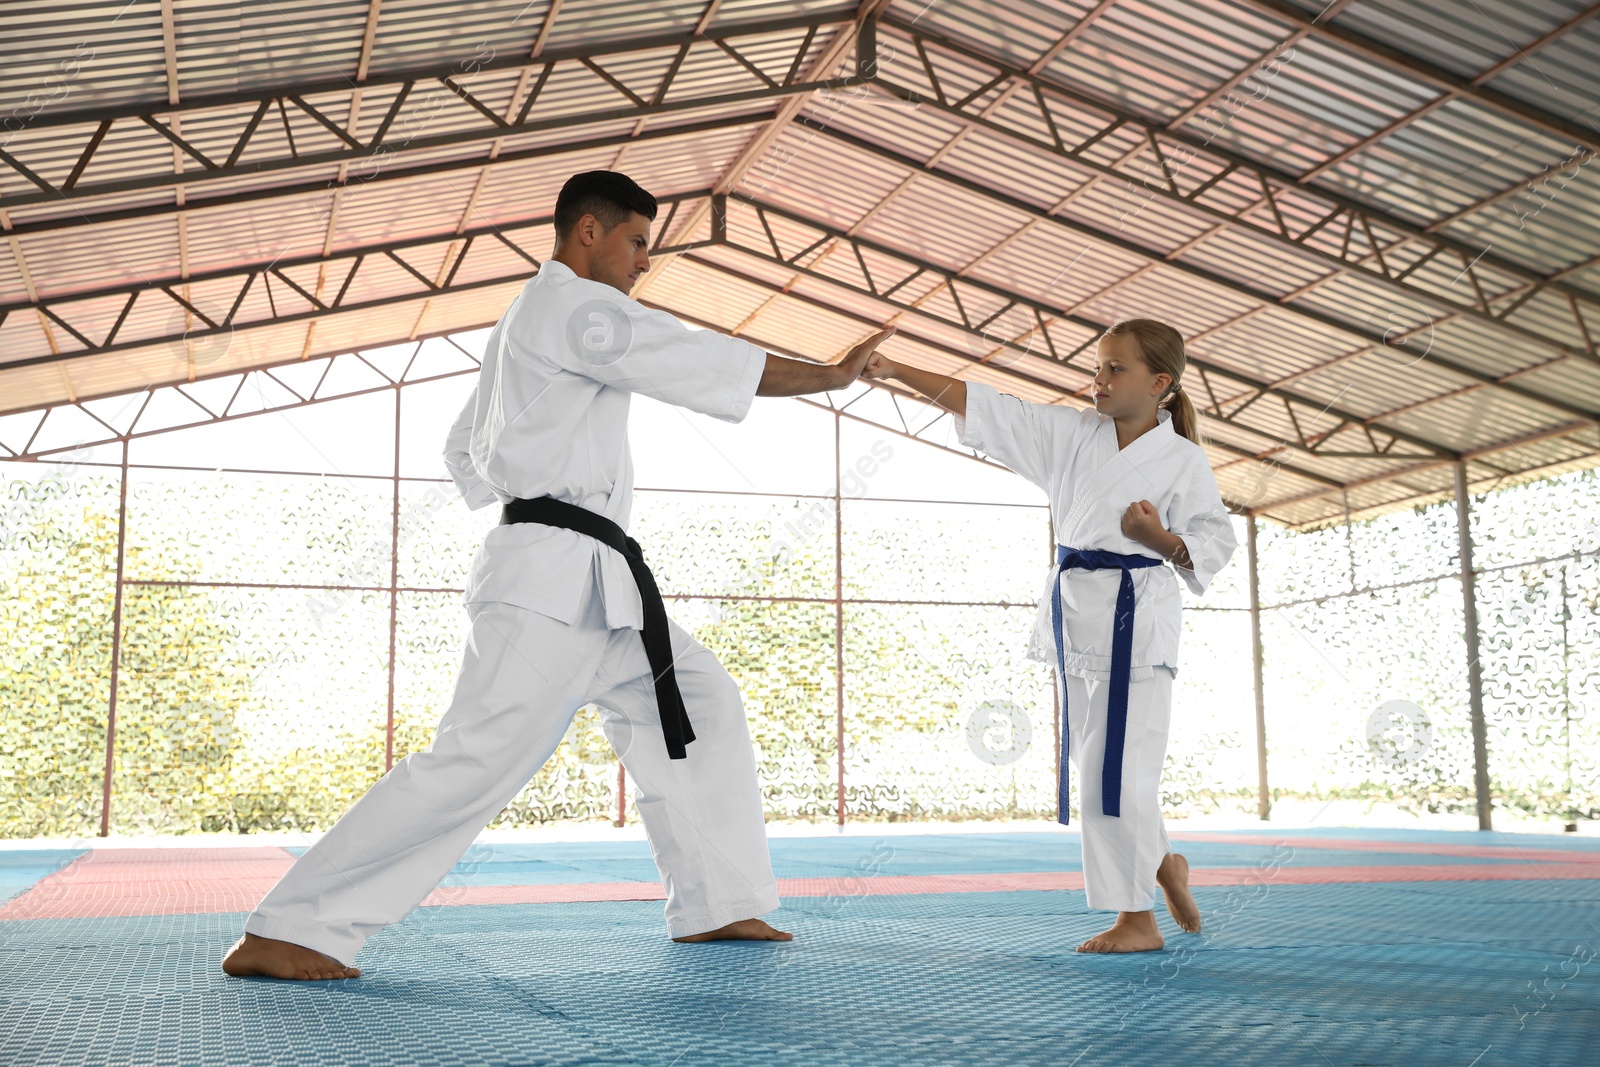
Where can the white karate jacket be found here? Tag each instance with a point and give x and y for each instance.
(549, 417)
(1072, 455)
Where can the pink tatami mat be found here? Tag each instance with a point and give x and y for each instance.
(152, 881)
(132, 882)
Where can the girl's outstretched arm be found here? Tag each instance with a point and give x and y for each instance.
(795, 377)
(948, 393)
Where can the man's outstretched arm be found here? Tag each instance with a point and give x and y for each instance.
(795, 377)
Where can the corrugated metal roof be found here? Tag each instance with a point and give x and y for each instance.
(1023, 174)
(1437, 30)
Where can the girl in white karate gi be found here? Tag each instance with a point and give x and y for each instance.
(1130, 489)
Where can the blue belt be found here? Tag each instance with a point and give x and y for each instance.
(1121, 664)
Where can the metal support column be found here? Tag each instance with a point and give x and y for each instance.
(622, 794)
(1263, 794)
(116, 651)
(394, 589)
(838, 608)
(1469, 605)
(1056, 681)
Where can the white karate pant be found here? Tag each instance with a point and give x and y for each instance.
(1121, 854)
(523, 676)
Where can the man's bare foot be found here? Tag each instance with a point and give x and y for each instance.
(1173, 877)
(266, 957)
(743, 930)
(1134, 931)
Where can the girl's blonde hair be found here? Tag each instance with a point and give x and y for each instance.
(1161, 346)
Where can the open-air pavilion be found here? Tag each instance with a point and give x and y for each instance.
(252, 253)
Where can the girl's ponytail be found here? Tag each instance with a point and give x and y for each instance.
(1185, 420)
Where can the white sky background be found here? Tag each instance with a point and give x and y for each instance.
(783, 446)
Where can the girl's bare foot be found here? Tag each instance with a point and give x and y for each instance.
(1173, 877)
(267, 957)
(743, 930)
(1134, 931)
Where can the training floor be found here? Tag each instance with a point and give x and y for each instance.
(1336, 947)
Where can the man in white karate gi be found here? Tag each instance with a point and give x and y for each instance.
(564, 613)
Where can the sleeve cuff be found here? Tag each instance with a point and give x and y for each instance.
(969, 427)
(478, 496)
(742, 392)
(473, 490)
(1191, 579)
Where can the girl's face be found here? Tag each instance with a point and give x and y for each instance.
(1123, 385)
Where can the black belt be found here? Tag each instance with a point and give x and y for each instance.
(548, 511)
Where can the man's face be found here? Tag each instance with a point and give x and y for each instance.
(619, 255)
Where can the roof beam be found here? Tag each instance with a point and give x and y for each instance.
(478, 163)
(316, 397)
(1581, 156)
(839, 14)
(1484, 76)
(369, 37)
(1119, 116)
(61, 306)
(1475, 454)
(1399, 477)
(1231, 83)
(1300, 244)
(1422, 70)
(709, 13)
(1261, 296)
(226, 414)
(424, 90)
(1224, 446)
(1341, 260)
(387, 174)
(242, 280)
(706, 15)
(1076, 30)
(551, 13)
(169, 47)
(860, 32)
(1011, 371)
(40, 316)
(948, 279)
(347, 263)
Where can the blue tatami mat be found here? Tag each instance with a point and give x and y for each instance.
(20, 868)
(1001, 853)
(1458, 974)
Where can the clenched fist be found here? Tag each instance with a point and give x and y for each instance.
(1141, 523)
(880, 366)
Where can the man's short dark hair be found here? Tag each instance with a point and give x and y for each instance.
(608, 195)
